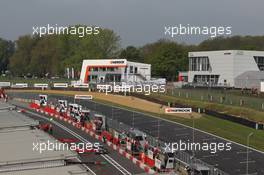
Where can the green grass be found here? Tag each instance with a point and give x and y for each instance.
(223, 128)
(232, 97)
(240, 111)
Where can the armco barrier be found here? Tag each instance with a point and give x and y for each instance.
(5, 84)
(83, 97)
(19, 85)
(183, 157)
(60, 85)
(81, 85)
(41, 85)
(48, 111)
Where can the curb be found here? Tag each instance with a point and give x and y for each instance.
(121, 151)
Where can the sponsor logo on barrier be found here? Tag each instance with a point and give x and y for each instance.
(5, 84)
(150, 154)
(81, 85)
(19, 85)
(41, 85)
(60, 85)
(178, 110)
(83, 97)
(158, 163)
(262, 87)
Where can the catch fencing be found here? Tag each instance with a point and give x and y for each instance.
(184, 158)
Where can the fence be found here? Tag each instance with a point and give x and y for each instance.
(220, 96)
(183, 157)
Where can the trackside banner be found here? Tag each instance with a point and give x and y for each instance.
(41, 85)
(5, 84)
(83, 97)
(60, 85)
(19, 85)
(81, 85)
(178, 110)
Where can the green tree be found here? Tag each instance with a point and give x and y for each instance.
(51, 54)
(132, 53)
(7, 49)
(20, 61)
(166, 57)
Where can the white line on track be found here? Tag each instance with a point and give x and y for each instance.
(173, 122)
(106, 157)
(91, 171)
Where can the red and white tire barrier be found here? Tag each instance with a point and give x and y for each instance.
(121, 151)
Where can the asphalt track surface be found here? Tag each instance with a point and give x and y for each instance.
(232, 162)
(116, 163)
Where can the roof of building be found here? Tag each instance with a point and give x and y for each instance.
(11, 119)
(4, 105)
(17, 147)
(252, 75)
(19, 156)
(63, 170)
(227, 52)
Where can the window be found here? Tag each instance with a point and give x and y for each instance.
(199, 64)
(136, 70)
(131, 69)
(260, 62)
(206, 79)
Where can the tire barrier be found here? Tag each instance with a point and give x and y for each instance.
(144, 160)
(104, 136)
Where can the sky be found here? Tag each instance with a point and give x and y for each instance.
(137, 22)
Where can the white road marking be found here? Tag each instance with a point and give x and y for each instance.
(173, 122)
(108, 159)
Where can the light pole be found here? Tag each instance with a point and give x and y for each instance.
(133, 120)
(112, 112)
(193, 143)
(159, 124)
(248, 137)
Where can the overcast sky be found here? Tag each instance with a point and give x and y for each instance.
(136, 21)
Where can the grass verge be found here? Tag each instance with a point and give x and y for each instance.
(244, 112)
(226, 129)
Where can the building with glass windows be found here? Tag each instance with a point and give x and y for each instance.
(114, 70)
(226, 68)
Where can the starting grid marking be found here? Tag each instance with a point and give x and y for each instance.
(121, 151)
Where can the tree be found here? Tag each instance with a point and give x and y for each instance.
(233, 43)
(166, 57)
(7, 49)
(20, 61)
(51, 54)
(132, 53)
(106, 43)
